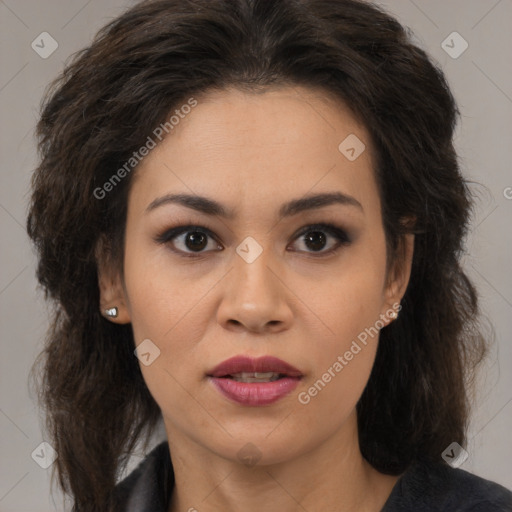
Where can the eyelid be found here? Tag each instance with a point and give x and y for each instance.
(337, 231)
(341, 235)
(171, 233)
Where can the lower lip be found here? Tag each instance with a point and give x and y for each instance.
(255, 393)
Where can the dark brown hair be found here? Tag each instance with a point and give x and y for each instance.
(102, 108)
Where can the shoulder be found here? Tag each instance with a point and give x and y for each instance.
(146, 488)
(428, 486)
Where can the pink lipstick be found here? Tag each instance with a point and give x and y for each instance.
(255, 382)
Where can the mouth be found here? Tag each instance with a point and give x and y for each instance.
(255, 376)
(254, 382)
(248, 369)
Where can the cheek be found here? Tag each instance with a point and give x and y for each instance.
(167, 306)
(349, 300)
(349, 307)
(343, 360)
(160, 294)
(343, 365)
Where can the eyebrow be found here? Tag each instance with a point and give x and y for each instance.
(213, 208)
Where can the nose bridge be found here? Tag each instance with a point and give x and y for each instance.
(254, 296)
(254, 281)
(252, 267)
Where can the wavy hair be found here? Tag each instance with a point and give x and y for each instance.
(111, 96)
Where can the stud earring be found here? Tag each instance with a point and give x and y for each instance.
(111, 312)
(393, 315)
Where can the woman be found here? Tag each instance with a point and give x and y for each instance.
(250, 215)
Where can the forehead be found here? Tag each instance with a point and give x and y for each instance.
(257, 147)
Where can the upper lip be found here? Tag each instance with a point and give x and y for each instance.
(239, 364)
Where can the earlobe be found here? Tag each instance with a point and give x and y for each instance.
(112, 301)
(116, 314)
(398, 279)
(401, 272)
(111, 312)
(112, 296)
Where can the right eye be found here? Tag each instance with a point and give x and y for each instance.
(188, 241)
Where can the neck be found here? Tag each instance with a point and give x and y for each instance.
(330, 476)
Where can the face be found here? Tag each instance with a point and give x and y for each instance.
(258, 270)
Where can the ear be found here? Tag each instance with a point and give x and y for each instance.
(110, 283)
(400, 272)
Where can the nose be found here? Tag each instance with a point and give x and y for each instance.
(254, 298)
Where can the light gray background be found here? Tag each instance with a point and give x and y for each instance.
(481, 79)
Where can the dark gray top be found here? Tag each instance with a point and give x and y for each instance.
(424, 487)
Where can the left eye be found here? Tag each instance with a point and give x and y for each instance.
(195, 239)
(315, 239)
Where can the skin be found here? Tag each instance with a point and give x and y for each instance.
(252, 152)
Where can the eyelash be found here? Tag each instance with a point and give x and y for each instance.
(338, 233)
